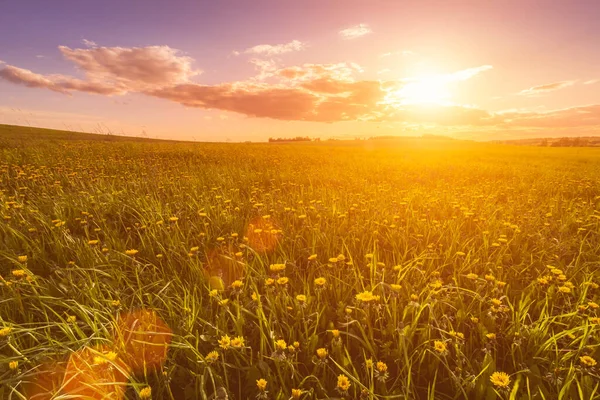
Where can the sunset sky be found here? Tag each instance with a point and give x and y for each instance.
(248, 70)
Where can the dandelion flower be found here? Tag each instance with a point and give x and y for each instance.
(146, 393)
(320, 281)
(22, 259)
(212, 357)
(296, 393)
(587, 361)
(224, 342)
(439, 346)
(321, 353)
(261, 384)
(280, 344)
(13, 365)
(131, 252)
(343, 383)
(500, 379)
(301, 298)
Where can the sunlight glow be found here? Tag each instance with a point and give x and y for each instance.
(424, 90)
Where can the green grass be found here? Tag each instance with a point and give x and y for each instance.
(419, 213)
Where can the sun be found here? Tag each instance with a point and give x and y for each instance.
(424, 90)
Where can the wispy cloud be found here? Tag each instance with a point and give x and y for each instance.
(545, 88)
(355, 31)
(271, 50)
(89, 43)
(591, 81)
(397, 53)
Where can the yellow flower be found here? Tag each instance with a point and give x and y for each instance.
(236, 284)
(491, 336)
(212, 357)
(472, 276)
(593, 304)
(321, 353)
(437, 284)
(71, 318)
(224, 342)
(280, 344)
(395, 287)
(312, 257)
(93, 242)
(296, 393)
(223, 302)
(320, 281)
(131, 252)
(343, 383)
(5, 331)
(439, 346)
(459, 335)
(261, 384)
(22, 259)
(237, 342)
(283, 280)
(500, 379)
(565, 289)
(414, 297)
(333, 260)
(213, 293)
(496, 302)
(366, 296)
(301, 298)
(490, 278)
(173, 219)
(543, 280)
(269, 281)
(368, 363)
(277, 267)
(146, 393)
(13, 365)
(18, 273)
(381, 366)
(335, 333)
(254, 296)
(587, 361)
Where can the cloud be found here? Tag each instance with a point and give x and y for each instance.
(394, 53)
(355, 31)
(591, 81)
(56, 83)
(271, 50)
(580, 116)
(309, 92)
(548, 87)
(89, 43)
(135, 67)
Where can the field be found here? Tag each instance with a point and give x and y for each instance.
(410, 268)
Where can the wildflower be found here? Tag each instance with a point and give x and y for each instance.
(283, 280)
(333, 260)
(565, 289)
(269, 281)
(212, 357)
(5, 331)
(496, 302)
(460, 253)
(439, 346)
(543, 281)
(296, 393)
(472, 276)
(335, 333)
(343, 383)
(18, 273)
(22, 259)
(71, 318)
(458, 335)
(173, 219)
(236, 284)
(312, 257)
(261, 384)
(320, 281)
(381, 366)
(146, 393)
(593, 305)
(437, 284)
(224, 342)
(277, 267)
(213, 293)
(280, 344)
(491, 336)
(366, 297)
(237, 342)
(500, 379)
(490, 278)
(322, 353)
(223, 302)
(254, 296)
(131, 252)
(414, 297)
(395, 287)
(13, 365)
(301, 298)
(368, 363)
(587, 361)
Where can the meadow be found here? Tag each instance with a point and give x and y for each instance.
(392, 269)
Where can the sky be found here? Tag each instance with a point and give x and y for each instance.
(249, 70)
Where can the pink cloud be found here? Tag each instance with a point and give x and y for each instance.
(548, 87)
(355, 31)
(277, 49)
